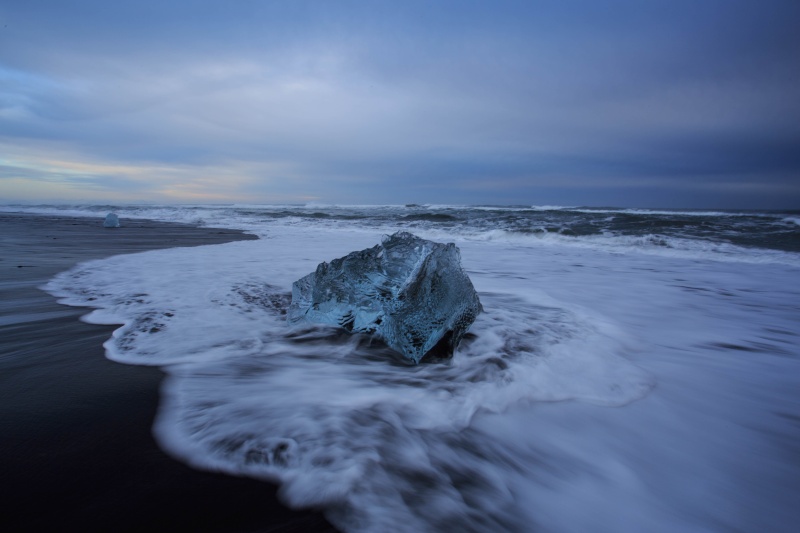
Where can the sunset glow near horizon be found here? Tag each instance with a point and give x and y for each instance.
(624, 103)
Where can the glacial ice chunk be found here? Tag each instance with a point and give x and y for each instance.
(409, 291)
(111, 221)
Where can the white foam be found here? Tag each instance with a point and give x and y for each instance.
(552, 207)
(672, 212)
(652, 244)
(603, 391)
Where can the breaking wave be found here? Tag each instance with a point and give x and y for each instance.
(336, 419)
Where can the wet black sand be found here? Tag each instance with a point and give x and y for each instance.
(76, 449)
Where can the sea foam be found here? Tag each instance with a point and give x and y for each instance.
(602, 389)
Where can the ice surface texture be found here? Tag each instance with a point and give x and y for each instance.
(411, 292)
(111, 221)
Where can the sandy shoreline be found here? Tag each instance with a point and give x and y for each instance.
(75, 429)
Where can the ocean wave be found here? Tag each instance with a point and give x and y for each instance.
(334, 418)
(587, 360)
(714, 235)
(648, 244)
(553, 207)
(672, 212)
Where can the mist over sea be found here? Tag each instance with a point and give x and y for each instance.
(634, 370)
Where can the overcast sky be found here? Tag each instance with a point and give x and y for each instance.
(617, 103)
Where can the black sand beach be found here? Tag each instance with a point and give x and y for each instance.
(76, 450)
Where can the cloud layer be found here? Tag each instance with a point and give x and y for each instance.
(572, 102)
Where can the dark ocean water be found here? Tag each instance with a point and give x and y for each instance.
(772, 230)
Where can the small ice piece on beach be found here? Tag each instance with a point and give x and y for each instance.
(409, 291)
(111, 221)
